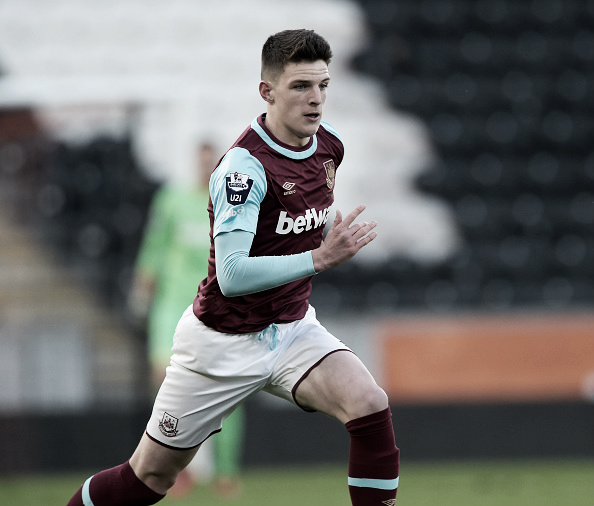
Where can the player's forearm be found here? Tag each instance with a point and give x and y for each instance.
(239, 274)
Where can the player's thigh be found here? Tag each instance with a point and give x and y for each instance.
(302, 346)
(342, 387)
(210, 374)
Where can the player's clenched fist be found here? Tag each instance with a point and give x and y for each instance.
(343, 240)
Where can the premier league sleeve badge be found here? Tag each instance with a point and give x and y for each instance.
(238, 188)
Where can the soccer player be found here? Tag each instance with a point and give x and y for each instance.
(251, 327)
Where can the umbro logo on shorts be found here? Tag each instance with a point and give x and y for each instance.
(389, 502)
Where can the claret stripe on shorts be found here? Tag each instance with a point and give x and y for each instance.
(374, 483)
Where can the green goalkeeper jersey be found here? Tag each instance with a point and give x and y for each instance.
(174, 254)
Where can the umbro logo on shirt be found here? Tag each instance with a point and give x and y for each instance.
(289, 188)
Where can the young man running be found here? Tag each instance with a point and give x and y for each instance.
(251, 327)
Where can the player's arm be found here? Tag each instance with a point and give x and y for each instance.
(240, 274)
(152, 254)
(157, 235)
(236, 213)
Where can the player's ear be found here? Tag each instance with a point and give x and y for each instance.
(267, 91)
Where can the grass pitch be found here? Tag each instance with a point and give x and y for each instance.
(475, 483)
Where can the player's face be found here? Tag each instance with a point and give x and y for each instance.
(296, 100)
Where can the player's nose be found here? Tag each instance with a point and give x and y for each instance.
(315, 96)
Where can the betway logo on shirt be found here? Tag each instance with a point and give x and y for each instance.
(311, 219)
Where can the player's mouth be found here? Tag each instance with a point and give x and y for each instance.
(314, 116)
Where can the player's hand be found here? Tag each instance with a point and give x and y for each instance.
(344, 240)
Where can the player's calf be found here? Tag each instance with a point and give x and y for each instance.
(118, 486)
(374, 460)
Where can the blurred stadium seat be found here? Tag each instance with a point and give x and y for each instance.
(506, 89)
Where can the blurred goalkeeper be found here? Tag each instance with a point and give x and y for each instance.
(251, 327)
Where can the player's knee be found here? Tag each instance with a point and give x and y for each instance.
(159, 480)
(378, 400)
(155, 475)
(371, 400)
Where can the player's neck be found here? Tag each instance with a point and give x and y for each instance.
(283, 134)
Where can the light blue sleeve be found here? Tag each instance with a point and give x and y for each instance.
(240, 274)
(237, 187)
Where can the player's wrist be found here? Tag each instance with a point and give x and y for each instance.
(319, 264)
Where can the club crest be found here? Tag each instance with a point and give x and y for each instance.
(330, 172)
(168, 425)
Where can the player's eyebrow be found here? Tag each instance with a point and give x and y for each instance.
(309, 81)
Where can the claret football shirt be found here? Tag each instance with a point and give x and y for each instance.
(282, 194)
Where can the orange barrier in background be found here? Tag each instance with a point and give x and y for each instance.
(488, 358)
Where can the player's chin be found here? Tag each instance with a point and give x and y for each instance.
(311, 127)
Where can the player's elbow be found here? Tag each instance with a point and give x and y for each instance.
(231, 273)
(227, 284)
(228, 288)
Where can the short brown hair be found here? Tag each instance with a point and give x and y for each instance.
(292, 46)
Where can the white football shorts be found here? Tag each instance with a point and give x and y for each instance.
(211, 373)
